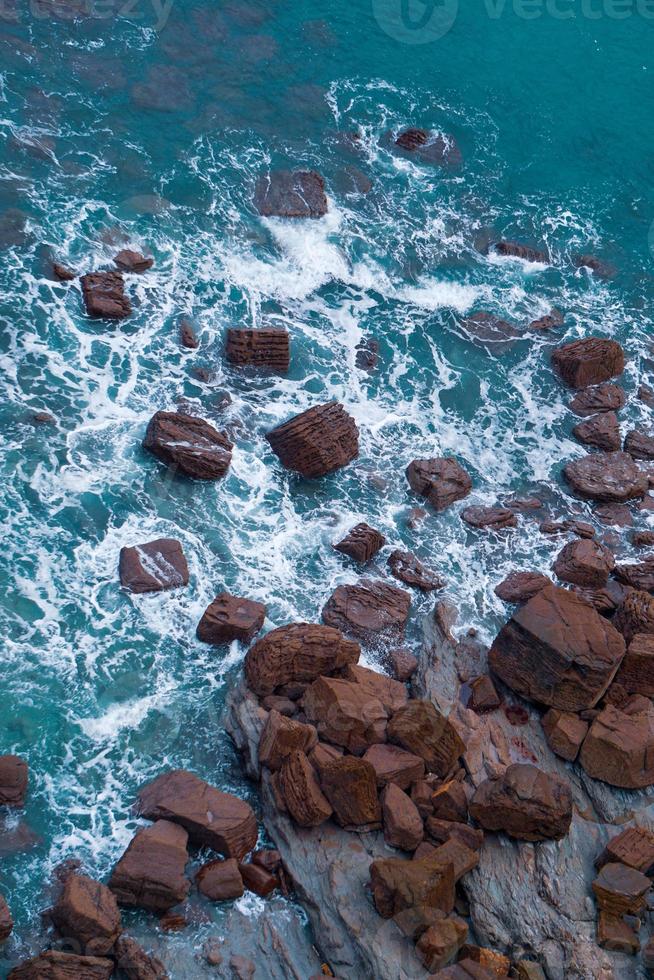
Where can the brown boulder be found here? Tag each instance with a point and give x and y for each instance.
(391, 693)
(54, 965)
(62, 272)
(345, 713)
(212, 818)
(603, 398)
(300, 789)
(633, 847)
(564, 733)
(87, 913)
(135, 963)
(635, 615)
(130, 261)
(403, 664)
(498, 964)
(150, 874)
(557, 650)
(316, 442)
(439, 944)
(402, 822)
(258, 879)
(370, 609)
(619, 748)
(606, 477)
(350, 785)
(420, 728)
(639, 444)
(258, 348)
(280, 737)
(394, 765)
(367, 354)
(525, 802)
(642, 539)
(450, 801)
(397, 884)
(298, 652)
(620, 890)
(230, 617)
(588, 361)
(639, 576)
(586, 563)
(550, 321)
(455, 851)
(614, 934)
(6, 920)
(445, 830)
(601, 431)
(521, 586)
(189, 444)
(442, 481)
(636, 672)
(220, 880)
(489, 518)
(153, 567)
(287, 194)
(408, 569)
(361, 543)
(187, 335)
(430, 148)
(104, 295)
(483, 696)
(13, 780)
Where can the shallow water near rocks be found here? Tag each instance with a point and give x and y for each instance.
(120, 131)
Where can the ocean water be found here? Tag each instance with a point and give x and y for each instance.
(147, 126)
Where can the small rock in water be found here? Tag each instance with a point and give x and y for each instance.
(43, 418)
(588, 361)
(62, 273)
(550, 321)
(189, 444)
(491, 330)
(521, 586)
(606, 477)
(220, 880)
(104, 295)
(368, 610)
(361, 543)
(599, 267)
(286, 194)
(639, 444)
(153, 567)
(585, 563)
(518, 251)
(601, 431)
(13, 781)
(600, 398)
(441, 480)
(230, 618)
(316, 442)
(408, 569)
(150, 874)
(130, 261)
(187, 335)
(258, 348)
(367, 354)
(489, 518)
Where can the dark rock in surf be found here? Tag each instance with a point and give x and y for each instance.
(489, 518)
(518, 251)
(600, 398)
(441, 480)
(13, 780)
(130, 261)
(87, 912)
(639, 444)
(361, 543)
(599, 267)
(229, 618)
(135, 963)
(601, 431)
(367, 354)
(187, 335)
(63, 273)
(432, 148)
(521, 586)
(286, 194)
(588, 361)
(258, 348)
(491, 331)
(551, 321)
(368, 610)
(316, 442)
(153, 567)
(606, 477)
(54, 965)
(6, 920)
(408, 569)
(585, 563)
(104, 295)
(189, 444)
(299, 652)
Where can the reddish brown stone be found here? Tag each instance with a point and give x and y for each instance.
(298, 652)
(450, 801)
(521, 586)
(614, 934)
(62, 272)
(345, 713)
(439, 944)
(104, 295)
(619, 747)
(642, 539)
(639, 576)
(489, 518)
(441, 480)
(620, 890)
(189, 444)
(617, 515)
(304, 799)
(258, 880)
(316, 442)
(220, 880)
(402, 822)
(550, 321)
(403, 663)
(212, 818)
(636, 672)
(633, 847)
(408, 569)
(130, 261)
(518, 251)
(361, 543)
(280, 737)
(420, 728)
(231, 617)
(606, 477)
(483, 696)
(13, 780)
(601, 431)
(150, 874)
(187, 335)
(258, 348)
(467, 969)
(588, 361)
(525, 802)
(580, 528)
(445, 830)
(421, 793)
(369, 609)
(496, 963)
(323, 754)
(564, 733)
(635, 615)
(394, 765)
(456, 852)
(135, 963)
(639, 444)
(603, 398)
(585, 563)
(397, 885)
(391, 693)
(153, 567)
(54, 965)
(556, 649)
(350, 785)
(87, 913)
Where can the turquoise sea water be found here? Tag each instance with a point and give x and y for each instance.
(150, 129)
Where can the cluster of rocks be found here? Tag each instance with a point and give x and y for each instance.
(624, 879)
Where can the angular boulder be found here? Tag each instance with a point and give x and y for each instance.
(211, 818)
(397, 885)
(345, 713)
(361, 543)
(135, 963)
(150, 874)
(391, 693)
(104, 295)
(153, 567)
(619, 747)
(521, 586)
(402, 822)
(130, 261)
(189, 444)
(588, 361)
(54, 965)
(440, 943)
(407, 568)
(87, 912)
(420, 728)
(636, 672)
(564, 733)
(301, 792)
(316, 442)
(489, 518)
(350, 785)
(602, 398)
(368, 610)
(557, 650)
(450, 801)
(13, 780)
(601, 431)
(258, 348)
(635, 615)
(621, 890)
(291, 194)
(231, 617)
(483, 695)
(394, 765)
(639, 444)
(441, 480)
(525, 802)
(187, 336)
(633, 847)
(298, 652)
(587, 563)
(280, 737)
(220, 880)
(639, 575)
(606, 477)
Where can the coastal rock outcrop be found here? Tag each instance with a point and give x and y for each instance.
(421, 729)
(345, 713)
(588, 361)
(586, 563)
(54, 965)
(13, 780)
(601, 431)
(361, 543)
(299, 652)
(316, 442)
(619, 747)
(87, 912)
(153, 567)
(606, 397)
(525, 802)
(150, 874)
(189, 444)
(368, 610)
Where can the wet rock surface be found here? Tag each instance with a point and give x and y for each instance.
(600, 431)
(230, 618)
(408, 569)
(264, 348)
(316, 442)
(361, 543)
(589, 361)
(287, 194)
(368, 609)
(600, 398)
(606, 477)
(153, 567)
(151, 873)
(441, 480)
(297, 652)
(189, 444)
(104, 295)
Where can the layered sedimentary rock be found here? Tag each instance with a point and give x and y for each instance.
(491, 518)
(300, 788)
(231, 617)
(557, 650)
(606, 477)
(220, 880)
(586, 563)
(521, 586)
(564, 732)
(398, 885)
(150, 874)
(601, 431)
(361, 543)
(104, 295)
(368, 610)
(130, 261)
(350, 785)
(189, 444)
(87, 912)
(13, 780)
(639, 444)
(154, 566)
(291, 194)
(421, 729)
(54, 965)
(636, 672)
(441, 480)
(345, 713)
(600, 398)
(588, 361)
(258, 348)
(316, 442)
(135, 963)
(281, 736)
(394, 765)
(212, 818)
(525, 802)
(635, 615)
(408, 569)
(391, 693)
(633, 847)
(298, 652)
(639, 575)
(619, 747)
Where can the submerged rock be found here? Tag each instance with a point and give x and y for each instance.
(286, 194)
(639, 444)
(437, 148)
(6, 920)
(104, 295)
(189, 444)
(153, 567)
(588, 361)
(491, 330)
(187, 335)
(316, 442)
(518, 251)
